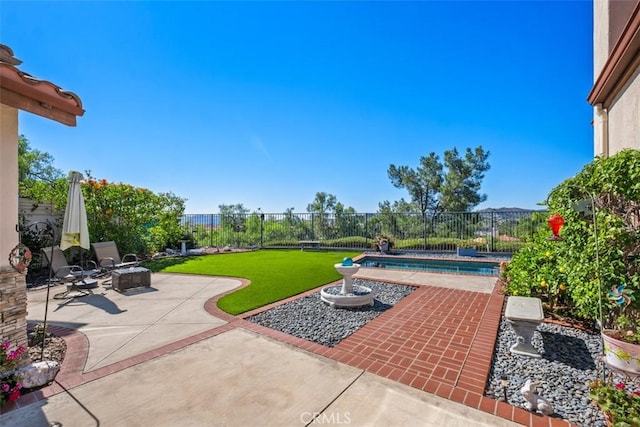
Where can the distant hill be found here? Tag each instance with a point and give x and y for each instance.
(510, 210)
(211, 220)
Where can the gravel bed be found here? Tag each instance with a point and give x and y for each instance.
(570, 357)
(313, 320)
(570, 360)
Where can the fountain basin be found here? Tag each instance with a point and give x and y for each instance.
(347, 270)
(360, 296)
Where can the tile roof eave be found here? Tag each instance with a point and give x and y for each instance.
(44, 93)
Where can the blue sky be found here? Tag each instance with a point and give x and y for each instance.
(268, 103)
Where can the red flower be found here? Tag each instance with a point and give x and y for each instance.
(15, 394)
(636, 393)
(620, 386)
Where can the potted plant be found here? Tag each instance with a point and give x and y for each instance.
(466, 249)
(620, 406)
(383, 243)
(620, 332)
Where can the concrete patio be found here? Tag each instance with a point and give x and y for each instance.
(165, 355)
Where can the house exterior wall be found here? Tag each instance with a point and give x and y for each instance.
(624, 117)
(616, 118)
(600, 36)
(8, 182)
(13, 287)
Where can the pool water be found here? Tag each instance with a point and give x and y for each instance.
(484, 268)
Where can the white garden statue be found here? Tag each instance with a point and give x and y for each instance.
(535, 402)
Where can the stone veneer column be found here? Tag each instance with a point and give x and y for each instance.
(13, 287)
(13, 307)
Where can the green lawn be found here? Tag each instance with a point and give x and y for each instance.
(274, 274)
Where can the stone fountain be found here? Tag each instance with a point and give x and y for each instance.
(348, 294)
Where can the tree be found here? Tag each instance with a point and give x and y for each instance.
(461, 188)
(35, 165)
(347, 222)
(323, 203)
(233, 220)
(321, 206)
(423, 184)
(391, 218)
(452, 186)
(36, 174)
(233, 216)
(430, 187)
(138, 220)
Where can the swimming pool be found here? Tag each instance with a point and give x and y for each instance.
(484, 268)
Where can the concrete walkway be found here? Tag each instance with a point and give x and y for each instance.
(159, 357)
(482, 284)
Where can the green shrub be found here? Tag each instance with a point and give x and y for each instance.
(571, 271)
(347, 242)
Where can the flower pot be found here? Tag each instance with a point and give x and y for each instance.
(466, 251)
(620, 354)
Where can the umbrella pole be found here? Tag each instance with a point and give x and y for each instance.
(81, 268)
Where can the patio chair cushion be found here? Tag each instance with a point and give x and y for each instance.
(108, 256)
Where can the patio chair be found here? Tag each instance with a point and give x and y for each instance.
(109, 258)
(62, 270)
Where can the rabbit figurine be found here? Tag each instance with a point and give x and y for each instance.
(535, 402)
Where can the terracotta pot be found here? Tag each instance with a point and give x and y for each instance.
(620, 354)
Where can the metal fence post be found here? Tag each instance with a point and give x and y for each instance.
(493, 244)
(261, 229)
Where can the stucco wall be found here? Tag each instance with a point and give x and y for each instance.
(8, 182)
(13, 289)
(624, 117)
(600, 36)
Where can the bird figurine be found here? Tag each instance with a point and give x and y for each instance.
(535, 402)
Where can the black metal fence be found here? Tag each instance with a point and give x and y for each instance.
(487, 231)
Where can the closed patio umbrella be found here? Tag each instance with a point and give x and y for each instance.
(75, 231)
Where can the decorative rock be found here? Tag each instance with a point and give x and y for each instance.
(311, 319)
(535, 402)
(569, 357)
(39, 373)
